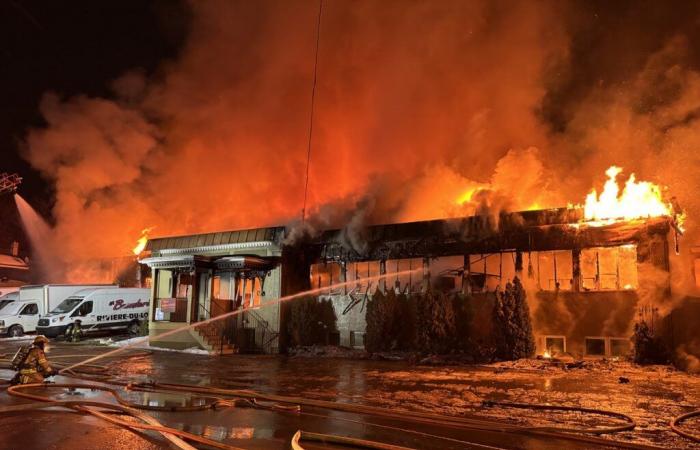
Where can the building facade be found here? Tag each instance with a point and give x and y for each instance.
(586, 284)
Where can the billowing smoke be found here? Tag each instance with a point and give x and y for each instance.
(423, 110)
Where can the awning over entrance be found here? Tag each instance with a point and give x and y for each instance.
(177, 262)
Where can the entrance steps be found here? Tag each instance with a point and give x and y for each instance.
(210, 337)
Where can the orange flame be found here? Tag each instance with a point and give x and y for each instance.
(143, 240)
(637, 200)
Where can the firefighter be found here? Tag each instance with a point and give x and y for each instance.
(74, 332)
(35, 367)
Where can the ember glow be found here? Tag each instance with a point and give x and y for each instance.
(143, 240)
(638, 199)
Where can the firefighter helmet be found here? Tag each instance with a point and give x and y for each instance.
(40, 340)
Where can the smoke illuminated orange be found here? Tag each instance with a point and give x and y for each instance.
(638, 199)
(143, 240)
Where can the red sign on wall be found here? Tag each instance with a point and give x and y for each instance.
(167, 304)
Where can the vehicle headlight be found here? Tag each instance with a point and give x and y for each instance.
(54, 320)
(2, 323)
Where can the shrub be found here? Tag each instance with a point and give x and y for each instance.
(311, 321)
(435, 330)
(382, 319)
(512, 326)
(464, 314)
(407, 319)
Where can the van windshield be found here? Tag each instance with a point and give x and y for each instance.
(3, 303)
(67, 305)
(11, 308)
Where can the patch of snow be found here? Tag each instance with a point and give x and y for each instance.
(142, 343)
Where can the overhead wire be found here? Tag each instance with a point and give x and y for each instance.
(311, 116)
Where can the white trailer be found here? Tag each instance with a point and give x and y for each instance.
(35, 301)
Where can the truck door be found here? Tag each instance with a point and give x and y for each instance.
(29, 317)
(84, 314)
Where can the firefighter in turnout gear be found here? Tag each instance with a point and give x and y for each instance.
(74, 332)
(35, 367)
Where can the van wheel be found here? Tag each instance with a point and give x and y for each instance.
(134, 328)
(15, 331)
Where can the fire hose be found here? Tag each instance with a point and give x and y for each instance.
(676, 428)
(463, 423)
(293, 404)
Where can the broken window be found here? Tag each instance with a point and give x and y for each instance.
(489, 271)
(363, 276)
(595, 346)
(325, 275)
(609, 268)
(620, 346)
(554, 270)
(446, 273)
(555, 345)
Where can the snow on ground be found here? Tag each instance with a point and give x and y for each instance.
(17, 338)
(650, 395)
(142, 343)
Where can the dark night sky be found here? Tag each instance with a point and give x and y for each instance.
(73, 47)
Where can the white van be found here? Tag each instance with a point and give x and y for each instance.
(35, 301)
(98, 309)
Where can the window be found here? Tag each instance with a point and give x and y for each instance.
(324, 275)
(67, 305)
(30, 310)
(83, 310)
(555, 270)
(555, 345)
(357, 339)
(446, 273)
(173, 292)
(595, 346)
(619, 346)
(609, 268)
(362, 276)
(400, 278)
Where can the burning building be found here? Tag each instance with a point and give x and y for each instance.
(587, 282)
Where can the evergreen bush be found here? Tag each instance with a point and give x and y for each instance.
(435, 329)
(311, 321)
(382, 319)
(512, 325)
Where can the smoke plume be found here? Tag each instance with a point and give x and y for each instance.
(423, 110)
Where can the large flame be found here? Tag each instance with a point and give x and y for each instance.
(638, 199)
(143, 240)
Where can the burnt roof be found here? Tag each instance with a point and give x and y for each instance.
(269, 234)
(543, 230)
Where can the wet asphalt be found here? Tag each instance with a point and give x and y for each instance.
(395, 385)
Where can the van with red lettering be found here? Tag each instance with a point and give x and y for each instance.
(113, 309)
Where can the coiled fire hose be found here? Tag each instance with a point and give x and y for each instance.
(626, 427)
(676, 422)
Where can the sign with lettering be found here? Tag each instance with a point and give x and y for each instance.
(121, 304)
(167, 304)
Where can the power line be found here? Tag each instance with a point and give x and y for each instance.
(311, 118)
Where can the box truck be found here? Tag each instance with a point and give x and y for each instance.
(22, 316)
(114, 309)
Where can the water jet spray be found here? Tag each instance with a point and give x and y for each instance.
(235, 313)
